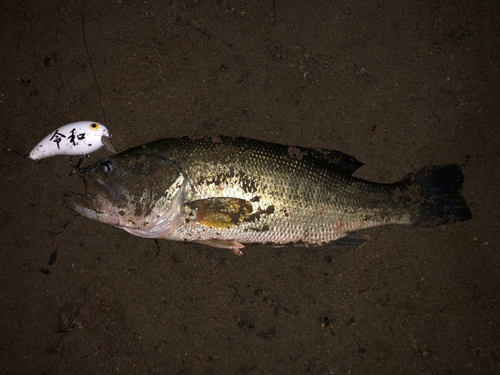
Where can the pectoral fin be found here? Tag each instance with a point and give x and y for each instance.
(220, 213)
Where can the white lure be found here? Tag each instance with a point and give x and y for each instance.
(77, 138)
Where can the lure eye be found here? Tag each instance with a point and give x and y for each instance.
(94, 126)
(107, 165)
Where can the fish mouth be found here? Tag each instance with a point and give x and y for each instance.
(94, 204)
(82, 204)
(100, 202)
(96, 207)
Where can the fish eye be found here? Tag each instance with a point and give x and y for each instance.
(107, 165)
(94, 126)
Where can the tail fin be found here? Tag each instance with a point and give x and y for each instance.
(441, 201)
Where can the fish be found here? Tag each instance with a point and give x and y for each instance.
(229, 192)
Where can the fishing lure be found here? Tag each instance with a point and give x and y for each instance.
(78, 138)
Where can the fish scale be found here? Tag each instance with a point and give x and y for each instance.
(303, 205)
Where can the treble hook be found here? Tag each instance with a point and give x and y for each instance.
(77, 166)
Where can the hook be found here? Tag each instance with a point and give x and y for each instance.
(77, 166)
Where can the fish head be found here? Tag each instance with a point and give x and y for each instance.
(132, 190)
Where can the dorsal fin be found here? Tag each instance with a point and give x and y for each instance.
(336, 160)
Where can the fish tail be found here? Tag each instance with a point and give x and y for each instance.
(440, 200)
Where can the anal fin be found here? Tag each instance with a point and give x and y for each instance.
(352, 240)
(232, 245)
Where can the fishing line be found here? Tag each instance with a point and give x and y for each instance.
(77, 166)
(90, 61)
(108, 144)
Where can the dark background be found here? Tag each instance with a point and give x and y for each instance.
(397, 84)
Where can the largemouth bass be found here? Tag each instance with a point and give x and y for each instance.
(227, 192)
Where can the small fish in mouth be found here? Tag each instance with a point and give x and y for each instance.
(228, 192)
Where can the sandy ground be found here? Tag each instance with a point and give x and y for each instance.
(398, 85)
